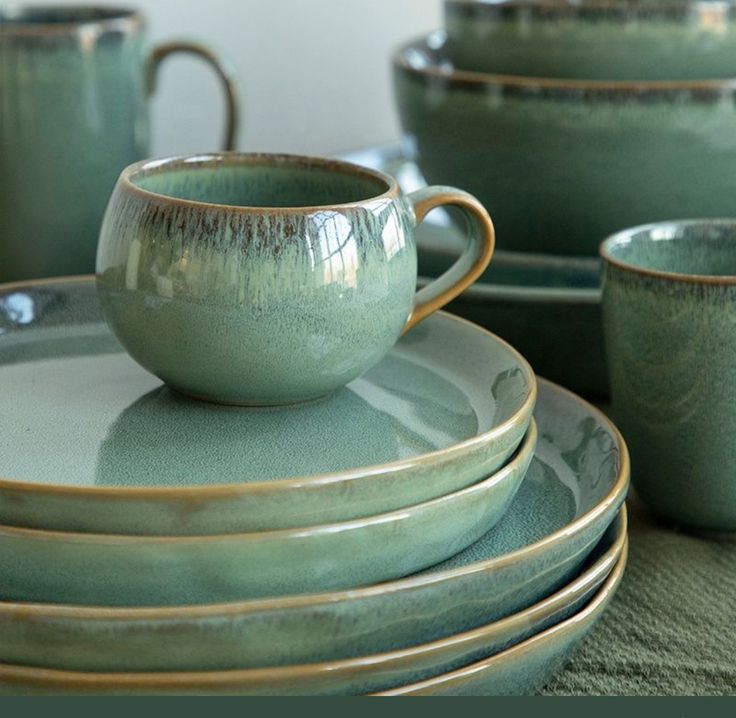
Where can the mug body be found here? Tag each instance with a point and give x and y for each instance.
(594, 40)
(669, 306)
(256, 279)
(73, 114)
(562, 164)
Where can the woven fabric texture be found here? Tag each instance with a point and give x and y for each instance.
(671, 629)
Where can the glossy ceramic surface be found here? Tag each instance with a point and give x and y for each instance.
(356, 675)
(669, 298)
(269, 279)
(596, 39)
(571, 494)
(74, 85)
(98, 444)
(541, 304)
(523, 669)
(553, 159)
(111, 569)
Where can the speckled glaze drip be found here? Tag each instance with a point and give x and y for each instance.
(285, 295)
(72, 115)
(671, 347)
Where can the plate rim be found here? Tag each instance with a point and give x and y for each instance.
(585, 616)
(595, 576)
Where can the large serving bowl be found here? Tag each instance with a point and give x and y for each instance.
(562, 163)
(601, 39)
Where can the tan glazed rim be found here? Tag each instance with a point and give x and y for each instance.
(449, 73)
(233, 158)
(594, 575)
(285, 484)
(624, 237)
(100, 18)
(594, 608)
(561, 536)
(524, 453)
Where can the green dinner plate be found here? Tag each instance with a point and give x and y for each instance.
(572, 492)
(368, 672)
(91, 442)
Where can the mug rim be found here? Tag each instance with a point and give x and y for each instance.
(706, 89)
(250, 159)
(104, 18)
(625, 236)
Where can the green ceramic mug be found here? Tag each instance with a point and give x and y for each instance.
(260, 279)
(74, 88)
(669, 305)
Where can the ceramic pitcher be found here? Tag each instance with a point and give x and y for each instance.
(74, 89)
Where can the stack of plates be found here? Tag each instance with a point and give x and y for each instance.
(417, 532)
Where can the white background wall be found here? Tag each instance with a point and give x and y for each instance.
(315, 74)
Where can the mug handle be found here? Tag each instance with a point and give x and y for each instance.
(471, 263)
(222, 70)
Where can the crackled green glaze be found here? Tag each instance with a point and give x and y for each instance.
(669, 295)
(601, 40)
(261, 279)
(561, 164)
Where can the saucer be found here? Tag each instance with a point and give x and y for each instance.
(97, 444)
(366, 673)
(571, 493)
(541, 303)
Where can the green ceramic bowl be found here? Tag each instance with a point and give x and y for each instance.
(594, 39)
(669, 298)
(360, 674)
(563, 163)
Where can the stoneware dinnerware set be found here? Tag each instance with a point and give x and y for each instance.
(569, 121)
(252, 455)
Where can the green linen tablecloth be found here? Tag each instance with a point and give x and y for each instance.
(671, 629)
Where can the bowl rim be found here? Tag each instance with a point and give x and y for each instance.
(626, 236)
(705, 90)
(591, 8)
